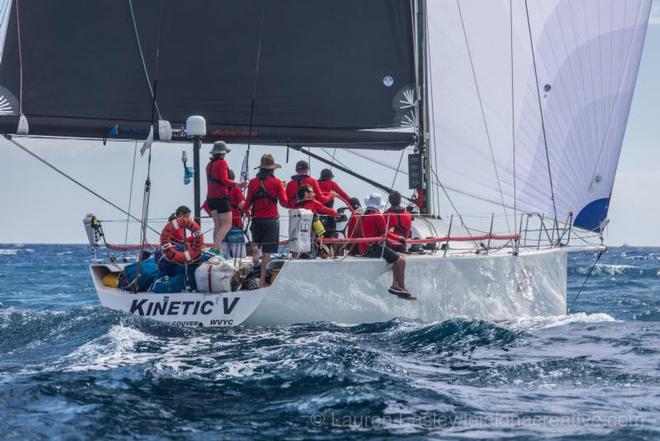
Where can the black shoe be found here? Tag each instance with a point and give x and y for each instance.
(402, 293)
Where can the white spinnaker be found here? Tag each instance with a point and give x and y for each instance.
(5, 13)
(587, 55)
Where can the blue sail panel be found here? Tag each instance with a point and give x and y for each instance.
(592, 216)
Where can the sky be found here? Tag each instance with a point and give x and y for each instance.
(41, 206)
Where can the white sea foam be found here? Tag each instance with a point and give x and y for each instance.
(532, 323)
(114, 349)
(613, 269)
(14, 251)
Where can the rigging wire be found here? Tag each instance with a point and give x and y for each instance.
(75, 181)
(334, 152)
(600, 254)
(255, 88)
(146, 196)
(144, 63)
(396, 173)
(538, 95)
(334, 159)
(130, 196)
(483, 112)
(451, 202)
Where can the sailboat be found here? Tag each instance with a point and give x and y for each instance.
(520, 103)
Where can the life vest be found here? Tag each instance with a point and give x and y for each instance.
(262, 193)
(169, 240)
(331, 202)
(396, 226)
(212, 180)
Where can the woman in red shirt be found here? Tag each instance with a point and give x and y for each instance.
(218, 190)
(236, 196)
(307, 199)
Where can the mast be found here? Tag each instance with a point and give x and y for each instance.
(423, 112)
(196, 128)
(197, 143)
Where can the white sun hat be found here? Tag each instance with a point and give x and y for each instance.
(375, 201)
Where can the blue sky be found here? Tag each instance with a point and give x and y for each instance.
(42, 207)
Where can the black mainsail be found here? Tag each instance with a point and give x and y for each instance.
(111, 69)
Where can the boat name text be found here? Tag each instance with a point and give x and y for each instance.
(144, 307)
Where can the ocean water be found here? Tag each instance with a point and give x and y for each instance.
(70, 369)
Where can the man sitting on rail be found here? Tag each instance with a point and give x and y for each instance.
(399, 220)
(374, 225)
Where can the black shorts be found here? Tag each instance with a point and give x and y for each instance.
(221, 205)
(266, 234)
(330, 225)
(378, 250)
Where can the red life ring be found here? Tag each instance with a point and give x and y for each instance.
(172, 235)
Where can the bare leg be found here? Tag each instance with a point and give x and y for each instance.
(255, 253)
(264, 263)
(222, 225)
(216, 227)
(399, 273)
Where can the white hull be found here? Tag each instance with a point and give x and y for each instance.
(497, 286)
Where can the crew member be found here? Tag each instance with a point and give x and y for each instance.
(219, 188)
(235, 198)
(264, 191)
(306, 198)
(373, 224)
(328, 187)
(233, 244)
(353, 229)
(301, 178)
(399, 220)
(181, 211)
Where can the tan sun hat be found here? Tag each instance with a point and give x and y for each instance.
(268, 163)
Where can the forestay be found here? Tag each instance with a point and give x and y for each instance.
(319, 71)
(531, 98)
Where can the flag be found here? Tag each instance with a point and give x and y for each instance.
(244, 167)
(147, 142)
(188, 174)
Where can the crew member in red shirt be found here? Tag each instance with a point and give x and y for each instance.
(218, 189)
(373, 224)
(264, 191)
(181, 211)
(353, 229)
(301, 178)
(235, 198)
(399, 220)
(306, 199)
(329, 187)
